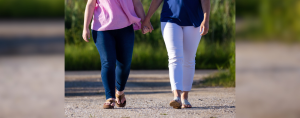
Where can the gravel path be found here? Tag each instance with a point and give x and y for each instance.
(147, 96)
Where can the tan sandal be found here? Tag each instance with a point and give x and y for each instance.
(175, 104)
(120, 97)
(185, 103)
(110, 101)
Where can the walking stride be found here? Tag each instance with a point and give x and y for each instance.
(183, 22)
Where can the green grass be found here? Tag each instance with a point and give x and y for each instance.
(32, 8)
(146, 56)
(221, 79)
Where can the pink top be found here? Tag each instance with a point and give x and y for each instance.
(114, 14)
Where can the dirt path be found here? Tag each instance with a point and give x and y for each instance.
(148, 94)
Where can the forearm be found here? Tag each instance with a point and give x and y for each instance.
(139, 10)
(206, 9)
(153, 7)
(89, 11)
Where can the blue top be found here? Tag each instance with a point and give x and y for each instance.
(182, 12)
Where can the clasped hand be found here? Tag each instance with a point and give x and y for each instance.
(146, 26)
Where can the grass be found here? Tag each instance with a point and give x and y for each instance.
(221, 79)
(32, 8)
(145, 56)
(92, 116)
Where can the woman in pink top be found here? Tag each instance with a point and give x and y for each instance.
(113, 25)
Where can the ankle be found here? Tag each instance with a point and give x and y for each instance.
(177, 93)
(120, 92)
(183, 98)
(111, 99)
(177, 98)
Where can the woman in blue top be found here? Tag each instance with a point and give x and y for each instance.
(183, 22)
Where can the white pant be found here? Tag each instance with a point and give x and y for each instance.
(181, 43)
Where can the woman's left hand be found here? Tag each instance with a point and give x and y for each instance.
(204, 27)
(146, 26)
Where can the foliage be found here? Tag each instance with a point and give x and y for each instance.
(223, 78)
(269, 20)
(32, 8)
(145, 56)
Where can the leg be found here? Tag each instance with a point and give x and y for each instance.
(184, 95)
(191, 39)
(124, 48)
(173, 37)
(105, 44)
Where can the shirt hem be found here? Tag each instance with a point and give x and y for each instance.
(180, 24)
(106, 29)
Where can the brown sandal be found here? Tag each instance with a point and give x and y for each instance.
(175, 104)
(120, 97)
(109, 106)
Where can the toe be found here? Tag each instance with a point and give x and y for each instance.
(117, 101)
(123, 100)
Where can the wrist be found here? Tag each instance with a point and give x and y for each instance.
(86, 28)
(206, 17)
(147, 18)
(142, 19)
(205, 20)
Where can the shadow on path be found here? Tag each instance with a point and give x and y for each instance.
(72, 94)
(213, 107)
(194, 108)
(95, 88)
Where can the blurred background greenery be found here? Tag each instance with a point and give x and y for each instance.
(268, 20)
(215, 49)
(31, 9)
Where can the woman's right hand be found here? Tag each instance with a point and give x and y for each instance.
(86, 35)
(147, 25)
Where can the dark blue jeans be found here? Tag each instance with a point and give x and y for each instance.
(115, 48)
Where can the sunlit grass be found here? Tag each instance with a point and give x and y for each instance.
(147, 56)
(223, 78)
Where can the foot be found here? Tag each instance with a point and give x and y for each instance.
(122, 100)
(186, 104)
(176, 103)
(108, 103)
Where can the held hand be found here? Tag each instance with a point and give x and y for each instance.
(204, 28)
(86, 35)
(146, 26)
(145, 30)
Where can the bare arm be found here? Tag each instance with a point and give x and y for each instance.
(88, 15)
(153, 7)
(206, 10)
(139, 10)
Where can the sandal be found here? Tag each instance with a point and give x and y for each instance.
(110, 101)
(186, 102)
(120, 97)
(176, 104)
